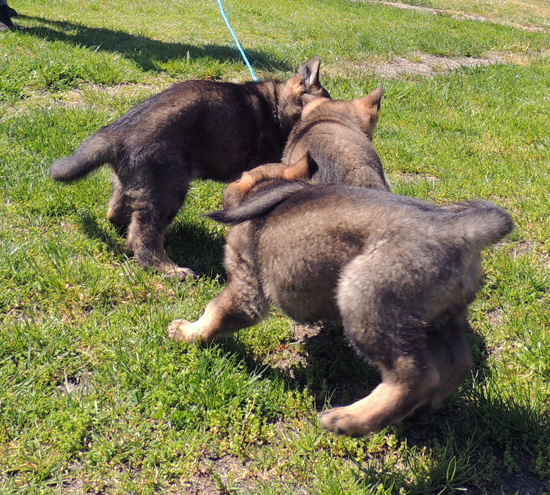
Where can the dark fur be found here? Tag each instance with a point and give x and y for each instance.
(195, 129)
(338, 135)
(397, 272)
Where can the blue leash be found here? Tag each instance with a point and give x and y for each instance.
(225, 18)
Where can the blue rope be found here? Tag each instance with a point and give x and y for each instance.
(225, 18)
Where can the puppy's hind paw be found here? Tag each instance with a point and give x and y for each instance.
(181, 331)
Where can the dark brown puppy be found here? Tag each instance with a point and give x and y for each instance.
(396, 272)
(195, 129)
(338, 136)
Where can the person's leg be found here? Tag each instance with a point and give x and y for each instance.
(5, 16)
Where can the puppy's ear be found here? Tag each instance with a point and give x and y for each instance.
(372, 101)
(303, 169)
(310, 72)
(366, 110)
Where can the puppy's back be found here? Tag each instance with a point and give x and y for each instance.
(477, 224)
(306, 236)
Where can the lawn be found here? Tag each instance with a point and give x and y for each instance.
(94, 398)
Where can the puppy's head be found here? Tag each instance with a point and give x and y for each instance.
(363, 110)
(311, 103)
(261, 177)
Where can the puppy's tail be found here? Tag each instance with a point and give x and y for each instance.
(91, 154)
(259, 205)
(480, 223)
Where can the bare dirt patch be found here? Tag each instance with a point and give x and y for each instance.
(78, 384)
(215, 476)
(421, 64)
(495, 317)
(457, 15)
(291, 357)
(428, 65)
(411, 178)
(516, 484)
(227, 474)
(303, 332)
(533, 250)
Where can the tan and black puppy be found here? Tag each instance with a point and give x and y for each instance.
(195, 129)
(396, 272)
(338, 135)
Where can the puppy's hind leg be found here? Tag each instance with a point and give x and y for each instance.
(379, 320)
(120, 209)
(146, 240)
(451, 353)
(460, 367)
(404, 387)
(158, 195)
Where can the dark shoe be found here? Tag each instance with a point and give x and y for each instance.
(5, 21)
(12, 12)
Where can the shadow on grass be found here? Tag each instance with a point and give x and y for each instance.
(194, 246)
(144, 51)
(105, 233)
(330, 368)
(480, 445)
(188, 245)
(469, 437)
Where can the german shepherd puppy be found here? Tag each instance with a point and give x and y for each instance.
(398, 273)
(338, 136)
(195, 129)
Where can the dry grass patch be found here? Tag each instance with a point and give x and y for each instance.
(87, 96)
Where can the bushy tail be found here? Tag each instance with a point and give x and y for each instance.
(91, 154)
(480, 223)
(259, 205)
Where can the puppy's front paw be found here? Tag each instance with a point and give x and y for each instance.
(341, 422)
(181, 331)
(184, 274)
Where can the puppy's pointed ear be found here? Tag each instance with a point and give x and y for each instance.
(372, 101)
(366, 110)
(303, 169)
(310, 72)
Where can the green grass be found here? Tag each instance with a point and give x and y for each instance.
(94, 398)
